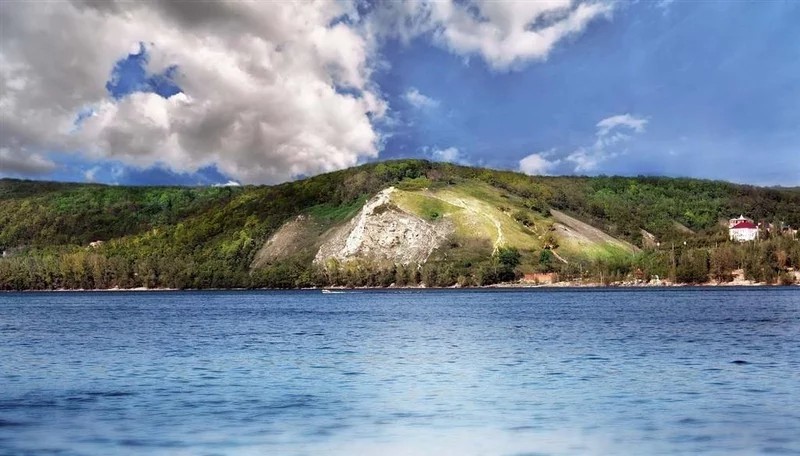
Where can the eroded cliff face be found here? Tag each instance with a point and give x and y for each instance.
(383, 233)
(583, 235)
(296, 234)
(406, 227)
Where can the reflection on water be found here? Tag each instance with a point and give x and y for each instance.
(678, 371)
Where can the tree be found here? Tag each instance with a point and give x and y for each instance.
(509, 257)
(723, 261)
(545, 263)
(693, 266)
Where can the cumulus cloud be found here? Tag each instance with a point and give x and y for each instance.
(450, 154)
(21, 163)
(418, 100)
(90, 175)
(269, 90)
(538, 163)
(504, 34)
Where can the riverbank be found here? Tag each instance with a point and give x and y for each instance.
(506, 285)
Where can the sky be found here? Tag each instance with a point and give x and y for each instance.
(227, 93)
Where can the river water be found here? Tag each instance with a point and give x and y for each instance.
(501, 372)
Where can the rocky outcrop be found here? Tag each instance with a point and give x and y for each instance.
(383, 233)
(649, 239)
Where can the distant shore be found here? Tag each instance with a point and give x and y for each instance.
(507, 285)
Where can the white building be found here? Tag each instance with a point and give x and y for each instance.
(735, 221)
(742, 229)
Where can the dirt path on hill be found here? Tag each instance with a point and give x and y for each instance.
(559, 257)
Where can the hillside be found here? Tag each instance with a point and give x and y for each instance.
(402, 222)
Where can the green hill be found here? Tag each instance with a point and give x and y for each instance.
(402, 222)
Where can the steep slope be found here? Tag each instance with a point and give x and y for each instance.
(296, 235)
(579, 238)
(385, 234)
(409, 226)
(476, 210)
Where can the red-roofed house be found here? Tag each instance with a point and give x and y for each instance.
(742, 230)
(736, 221)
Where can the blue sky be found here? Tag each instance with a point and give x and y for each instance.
(698, 89)
(720, 103)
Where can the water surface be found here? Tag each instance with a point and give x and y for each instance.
(673, 371)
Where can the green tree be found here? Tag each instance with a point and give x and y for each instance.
(693, 266)
(723, 261)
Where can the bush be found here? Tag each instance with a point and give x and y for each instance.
(693, 267)
(523, 218)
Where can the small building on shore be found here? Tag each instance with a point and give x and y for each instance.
(742, 229)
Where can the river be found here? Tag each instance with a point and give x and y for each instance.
(462, 372)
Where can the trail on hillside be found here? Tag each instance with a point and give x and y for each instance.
(559, 257)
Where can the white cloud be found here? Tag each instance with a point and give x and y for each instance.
(636, 124)
(23, 163)
(230, 183)
(261, 85)
(90, 175)
(611, 131)
(588, 159)
(450, 154)
(262, 82)
(418, 100)
(505, 34)
(538, 163)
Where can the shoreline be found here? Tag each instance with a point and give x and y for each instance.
(497, 286)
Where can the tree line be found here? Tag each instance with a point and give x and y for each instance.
(771, 261)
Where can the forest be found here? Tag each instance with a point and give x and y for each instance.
(207, 237)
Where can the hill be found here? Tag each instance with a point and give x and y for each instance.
(402, 222)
